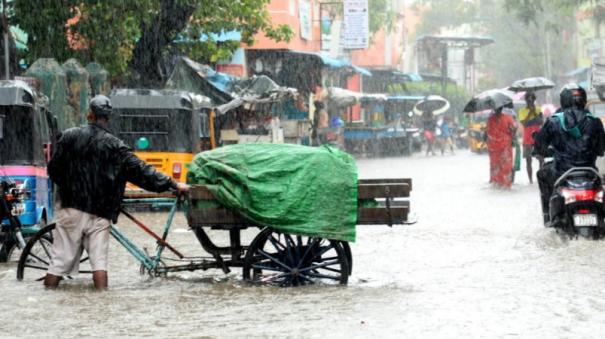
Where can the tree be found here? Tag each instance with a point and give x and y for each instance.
(530, 10)
(141, 36)
(521, 49)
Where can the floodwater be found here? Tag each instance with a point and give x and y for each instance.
(478, 263)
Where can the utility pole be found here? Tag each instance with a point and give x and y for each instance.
(6, 28)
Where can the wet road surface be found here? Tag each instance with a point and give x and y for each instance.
(478, 263)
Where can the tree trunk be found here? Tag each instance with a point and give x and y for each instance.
(147, 61)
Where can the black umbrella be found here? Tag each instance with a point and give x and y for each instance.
(491, 99)
(531, 84)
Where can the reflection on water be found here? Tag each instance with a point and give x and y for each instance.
(478, 263)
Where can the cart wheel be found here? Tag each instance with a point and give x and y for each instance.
(7, 247)
(348, 254)
(286, 260)
(35, 258)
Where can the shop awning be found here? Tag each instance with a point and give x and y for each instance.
(344, 97)
(336, 63)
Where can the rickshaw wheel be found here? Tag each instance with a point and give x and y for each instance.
(35, 258)
(347, 249)
(9, 251)
(285, 260)
(7, 247)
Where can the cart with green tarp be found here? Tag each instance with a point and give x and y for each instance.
(306, 202)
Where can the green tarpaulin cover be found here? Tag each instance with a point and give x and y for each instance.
(296, 189)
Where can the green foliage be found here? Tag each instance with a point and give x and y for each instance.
(529, 35)
(532, 11)
(110, 30)
(381, 16)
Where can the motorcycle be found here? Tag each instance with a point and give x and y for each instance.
(576, 207)
(11, 207)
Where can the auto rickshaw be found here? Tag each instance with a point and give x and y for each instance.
(166, 128)
(476, 131)
(27, 131)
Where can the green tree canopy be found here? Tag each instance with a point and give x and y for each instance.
(141, 35)
(532, 37)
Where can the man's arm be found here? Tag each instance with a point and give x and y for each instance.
(56, 166)
(543, 138)
(144, 175)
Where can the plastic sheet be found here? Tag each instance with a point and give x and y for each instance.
(296, 189)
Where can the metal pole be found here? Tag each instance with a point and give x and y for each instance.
(6, 56)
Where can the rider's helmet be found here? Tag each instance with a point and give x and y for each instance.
(100, 105)
(572, 95)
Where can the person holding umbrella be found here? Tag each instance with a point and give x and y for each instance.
(501, 129)
(428, 123)
(428, 108)
(531, 116)
(532, 119)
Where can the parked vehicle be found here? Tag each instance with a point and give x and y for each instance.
(166, 128)
(27, 130)
(11, 207)
(384, 130)
(576, 206)
(476, 132)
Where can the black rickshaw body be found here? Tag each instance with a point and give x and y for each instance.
(166, 128)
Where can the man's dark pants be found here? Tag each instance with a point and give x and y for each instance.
(546, 181)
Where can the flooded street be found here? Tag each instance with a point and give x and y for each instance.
(478, 263)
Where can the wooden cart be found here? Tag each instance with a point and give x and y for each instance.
(290, 260)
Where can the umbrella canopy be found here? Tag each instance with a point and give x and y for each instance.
(491, 99)
(435, 103)
(531, 84)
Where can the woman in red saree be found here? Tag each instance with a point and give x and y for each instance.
(500, 132)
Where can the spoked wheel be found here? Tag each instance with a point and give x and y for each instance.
(348, 254)
(7, 248)
(35, 258)
(286, 260)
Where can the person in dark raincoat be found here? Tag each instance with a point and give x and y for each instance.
(575, 136)
(90, 166)
(500, 132)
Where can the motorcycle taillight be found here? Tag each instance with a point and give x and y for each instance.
(572, 196)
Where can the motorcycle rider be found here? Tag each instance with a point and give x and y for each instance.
(575, 136)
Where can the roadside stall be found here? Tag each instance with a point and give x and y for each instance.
(245, 110)
(384, 129)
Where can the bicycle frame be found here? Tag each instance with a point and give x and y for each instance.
(150, 262)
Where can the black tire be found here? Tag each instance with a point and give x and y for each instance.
(348, 254)
(286, 260)
(36, 254)
(12, 252)
(6, 248)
